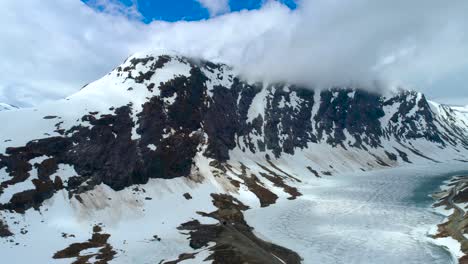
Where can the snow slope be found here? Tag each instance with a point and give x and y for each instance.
(140, 152)
(5, 107)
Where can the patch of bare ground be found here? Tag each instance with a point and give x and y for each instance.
(4, 231)
(98, 241)
(235, 243)
(457, 224)
(279, 181)
(265, 196)
(463, 260)
(218, 168)
(313, 172)
(254, 185)
(22, 201)
(278, 169)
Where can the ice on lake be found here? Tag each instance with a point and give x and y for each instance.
(376, 217)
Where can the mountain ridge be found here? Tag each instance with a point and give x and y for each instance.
(6, 107)
(158, 120)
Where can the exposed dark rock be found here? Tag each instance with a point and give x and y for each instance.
(105, 254)
(4, 231)
(58, 183)
(403, 156)
(22, 201)
(358, 114)
(185, 115)
(279, 182)
(235, 242)
(295, 121)
(146, 76)
(47, 168)
(187, 196)
(391, 156)
(313, 172)
(150, 87)
(265, 196)
(222, 122)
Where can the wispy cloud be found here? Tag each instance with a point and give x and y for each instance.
(117, 8)
(215, 7)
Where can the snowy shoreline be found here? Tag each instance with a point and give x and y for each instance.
(327, 223)
(453, 246)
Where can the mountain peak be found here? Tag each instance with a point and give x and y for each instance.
(199, 138)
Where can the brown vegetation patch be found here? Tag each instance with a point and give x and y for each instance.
(457, 223)
(463, 260)
(4, 231)
(278, 169)
(278, 182)
(265, 196)
(105, 254)
(235, 242)
(22, 201)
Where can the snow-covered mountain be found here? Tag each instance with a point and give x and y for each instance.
(158, 160)
(5, 107)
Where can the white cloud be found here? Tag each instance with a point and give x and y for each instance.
(116, 8)
(336, 43)
(49, 49)
(215, 7)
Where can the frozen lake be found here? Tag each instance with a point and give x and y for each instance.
(373, 217)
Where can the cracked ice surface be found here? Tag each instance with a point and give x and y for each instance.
(375, 217)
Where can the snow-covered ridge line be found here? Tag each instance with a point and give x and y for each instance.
(170, 133)
(6, 107)
(452, 202)
(185, 96)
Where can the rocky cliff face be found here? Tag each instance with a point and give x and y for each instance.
(168, 117)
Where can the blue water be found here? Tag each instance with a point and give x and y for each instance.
(422, 194)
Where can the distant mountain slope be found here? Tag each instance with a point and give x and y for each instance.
(163, 137)
(4, 107)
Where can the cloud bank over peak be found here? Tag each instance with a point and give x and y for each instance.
(323, 43)
(334, 43)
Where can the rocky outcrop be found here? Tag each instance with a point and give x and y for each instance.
(235, 242)
(186, 113)
(77, 251)
(168, 117)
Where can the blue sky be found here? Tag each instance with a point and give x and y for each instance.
(189, 10)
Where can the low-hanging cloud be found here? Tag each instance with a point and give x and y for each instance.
(116, 8)
(51, 48)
